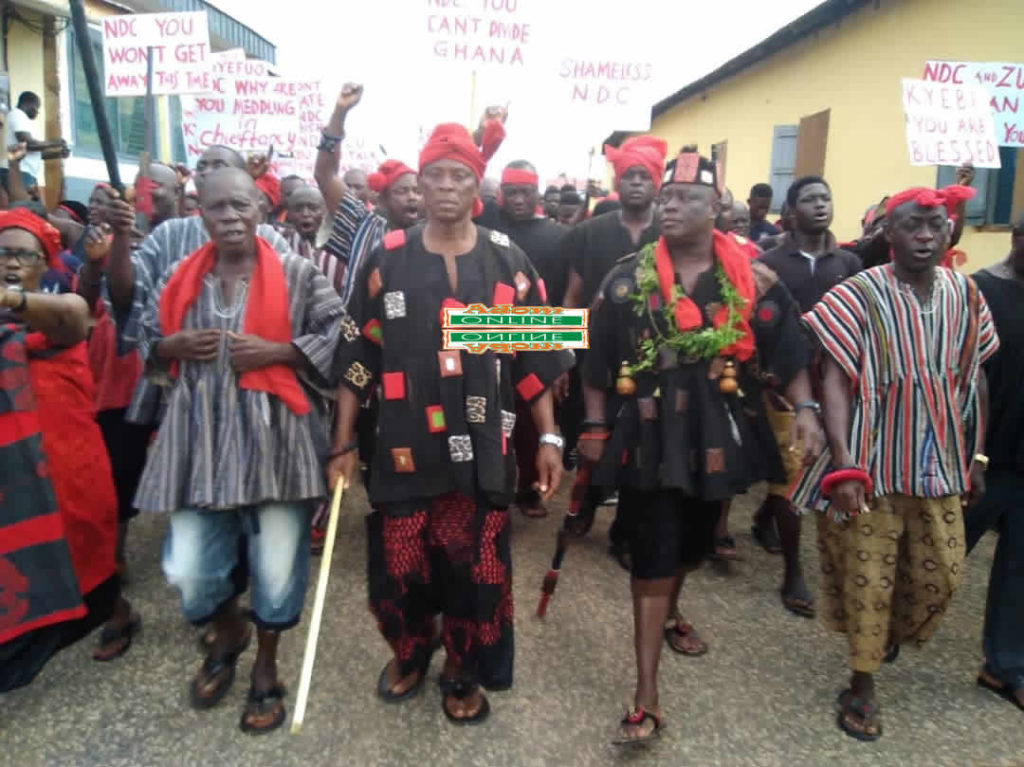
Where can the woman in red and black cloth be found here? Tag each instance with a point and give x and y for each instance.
(683, 335)
(58, 510)
(444, 466)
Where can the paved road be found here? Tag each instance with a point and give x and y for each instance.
(762, 696)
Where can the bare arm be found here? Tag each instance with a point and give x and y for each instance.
(326, 169)
(62, 318)
(32, 145)
(120, 270)
(806, 428)
(15, 184)
(836, 411)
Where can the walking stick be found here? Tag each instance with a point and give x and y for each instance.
(306, 677)
(576, 502)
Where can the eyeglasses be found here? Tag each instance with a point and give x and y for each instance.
(23, 257)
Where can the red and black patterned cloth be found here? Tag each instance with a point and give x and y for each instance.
(58, 510)
(447, 556)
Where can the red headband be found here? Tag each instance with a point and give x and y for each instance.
(49, 238)
(648, 152)
(387, 174)
(71, 212)
(269, 184)
(451, 141)
(519, 176)
(950, 196)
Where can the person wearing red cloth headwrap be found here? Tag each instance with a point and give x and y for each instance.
(58, 521)
(443, 467)
(905, 405)
(591, 251)
(689, 429)
(231, 327)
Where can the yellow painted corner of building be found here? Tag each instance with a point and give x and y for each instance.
(853, 69)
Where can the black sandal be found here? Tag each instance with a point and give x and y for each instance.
(681, 628)
(455, 687)
(724, 548)
(261, 704)
(213, 667)
(891, 654)
(108, 636)
(1007, 692)
(384, 689)
(801, 604)
(637, 716)
(866, 711)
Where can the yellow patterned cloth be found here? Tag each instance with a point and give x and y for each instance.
(781, 422)
(888, 575)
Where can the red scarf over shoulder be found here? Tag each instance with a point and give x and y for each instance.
(267, 291)
(736, 265)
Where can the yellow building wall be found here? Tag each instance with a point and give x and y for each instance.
(854, 69)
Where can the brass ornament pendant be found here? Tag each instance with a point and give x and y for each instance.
(624, 384)
(728, 384)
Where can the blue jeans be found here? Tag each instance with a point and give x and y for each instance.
(1002, 508)
(201, 550)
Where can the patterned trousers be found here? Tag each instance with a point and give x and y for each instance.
(888, 575)
(447, 556)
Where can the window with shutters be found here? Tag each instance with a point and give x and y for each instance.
(1000, 191)
(783, 170)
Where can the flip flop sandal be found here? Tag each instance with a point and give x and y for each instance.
(725, 542)
(261, 704)
(866, 711)
(685, 630)
(768, 539)
(797, 605)
(213, 667)
(453, 687)
(109, 636)
(637, 716)
(384, 689)
(1006, 692)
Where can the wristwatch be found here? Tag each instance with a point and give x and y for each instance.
(552, 439)
(982, 459)
(808, 405)
(329, 143)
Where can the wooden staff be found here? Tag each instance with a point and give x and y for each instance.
(306, 677)
(92, 80)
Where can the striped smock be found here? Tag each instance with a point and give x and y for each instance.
(913, 365)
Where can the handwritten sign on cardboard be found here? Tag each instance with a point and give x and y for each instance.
(180, 45)
(1004, 84)
(949, 124)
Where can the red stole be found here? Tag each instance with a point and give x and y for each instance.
(268, 294)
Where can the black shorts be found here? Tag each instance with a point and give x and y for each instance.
(667, 530)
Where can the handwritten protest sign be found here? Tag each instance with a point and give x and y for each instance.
(301, 159)
(1004, 84)
(181, 52)
(949, 124)
(480, 33)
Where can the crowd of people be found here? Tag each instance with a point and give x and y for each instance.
(224, 347)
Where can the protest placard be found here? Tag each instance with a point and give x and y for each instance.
(1004, 84)
(949, 124)
(249, 114)
(478, 33)
(180, 44)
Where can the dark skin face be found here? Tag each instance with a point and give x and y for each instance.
(686, 212)
(28, 275)
(402, 200)
(919, 237)
(519, 201)
(231, 211)
(191, 204)
(1017, 249)
(31, 108)
(355, 180)
(165, 193)
(306, 211)
(214, 159)
(812, 213)
(636, 189)
(488, 189)
(449, 189)
(740, 219)
(759, 208)
(568, 213)
(98, 206)
(551, 202)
